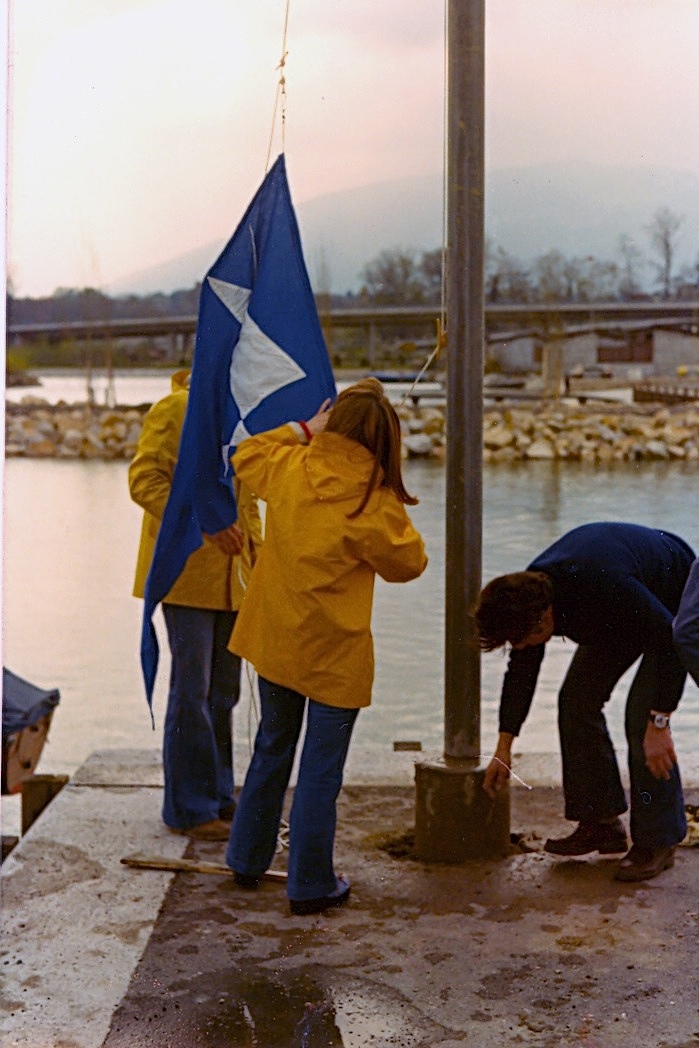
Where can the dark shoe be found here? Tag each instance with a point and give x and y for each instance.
(215, 830)
(640, 864)
(246, 880)
(226, 814)
(301, 907)
(606, 838)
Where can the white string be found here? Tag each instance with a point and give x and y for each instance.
(421, 372)
(255, 715)
(441, 326)
(445, 176)
(526, 785)
(280, 96)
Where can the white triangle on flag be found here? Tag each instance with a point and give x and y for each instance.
(234, 297)
(240, 433)
(259, 367)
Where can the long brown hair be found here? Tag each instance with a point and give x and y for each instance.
(363, 413)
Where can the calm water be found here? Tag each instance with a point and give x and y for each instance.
(137, 386)
(70, 541)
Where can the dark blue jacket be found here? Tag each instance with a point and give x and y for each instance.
(685, 628)
(612, 584)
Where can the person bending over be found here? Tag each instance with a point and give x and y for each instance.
(613, 589)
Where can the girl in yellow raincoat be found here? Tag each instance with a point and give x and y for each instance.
(335, 519)
(199, 612)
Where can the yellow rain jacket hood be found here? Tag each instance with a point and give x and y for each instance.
(305, 621)
(210, 579)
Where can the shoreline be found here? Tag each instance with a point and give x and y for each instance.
(564, 429)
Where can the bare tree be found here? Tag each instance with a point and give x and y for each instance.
(631, 262)
(597, 281)
(689, 280)
(431, 265)
(393, 279)
(552, 275)
(663, 232)
(507, 279)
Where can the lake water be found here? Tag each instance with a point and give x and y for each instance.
(137, 386)
(70, 540)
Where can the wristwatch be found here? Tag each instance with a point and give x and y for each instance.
(659, 720)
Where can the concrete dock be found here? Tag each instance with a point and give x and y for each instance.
(527, 950)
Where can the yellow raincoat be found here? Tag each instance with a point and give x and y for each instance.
(305, 621)
(210, 579)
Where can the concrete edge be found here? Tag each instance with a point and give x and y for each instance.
(75, 921)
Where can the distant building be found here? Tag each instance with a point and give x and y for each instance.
(633, 353)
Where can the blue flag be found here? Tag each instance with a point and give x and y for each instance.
(259, 360)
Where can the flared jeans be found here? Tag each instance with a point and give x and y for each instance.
(197, 739)
(313, 817)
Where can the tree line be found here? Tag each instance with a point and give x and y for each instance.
(401, 277)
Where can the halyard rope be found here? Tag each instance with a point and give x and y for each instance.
(441, 322)
(280, 97)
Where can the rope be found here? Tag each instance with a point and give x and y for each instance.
(445, 118)
(441, 340)
(280, 97)
(254, 715)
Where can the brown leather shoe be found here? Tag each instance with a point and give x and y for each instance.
(640, 864)
(607, 838)
(216, 830)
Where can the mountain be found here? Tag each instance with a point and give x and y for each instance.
(580, 209)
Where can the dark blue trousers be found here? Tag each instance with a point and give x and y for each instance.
(591, 781)
(312, 822)
(197, 740)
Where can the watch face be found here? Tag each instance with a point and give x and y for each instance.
(660, 720)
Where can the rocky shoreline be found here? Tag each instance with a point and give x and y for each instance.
(552, 429)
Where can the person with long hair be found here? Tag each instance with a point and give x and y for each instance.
(335, 518)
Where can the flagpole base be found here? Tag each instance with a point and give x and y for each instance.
(455, 819)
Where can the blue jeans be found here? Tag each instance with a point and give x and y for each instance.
(591, 782)
(197, 740)
(312, 823)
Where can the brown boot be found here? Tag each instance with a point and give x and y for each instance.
(607, 838)
(216, 830)
(640, 864)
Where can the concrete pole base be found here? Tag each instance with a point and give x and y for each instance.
(455, 819)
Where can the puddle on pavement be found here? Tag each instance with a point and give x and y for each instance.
(300, 1013)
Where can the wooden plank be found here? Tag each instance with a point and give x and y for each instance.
(157, 862)
(37, 792)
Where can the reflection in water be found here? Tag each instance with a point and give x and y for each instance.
(71, 536)
(263, 1011)
(317, 1027)
(551, 494)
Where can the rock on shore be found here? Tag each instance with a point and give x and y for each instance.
(35, 429)
(561, 429)
(566, 430)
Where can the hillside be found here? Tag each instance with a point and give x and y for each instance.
(579, 209)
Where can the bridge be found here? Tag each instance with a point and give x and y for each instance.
(541, 318)
(546, 321)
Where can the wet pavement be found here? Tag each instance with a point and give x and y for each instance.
(529, 949)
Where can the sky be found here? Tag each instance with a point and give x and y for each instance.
(139, 130)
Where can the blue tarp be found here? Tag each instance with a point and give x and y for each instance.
(23, 704)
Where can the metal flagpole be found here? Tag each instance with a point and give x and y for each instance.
(455, 819)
